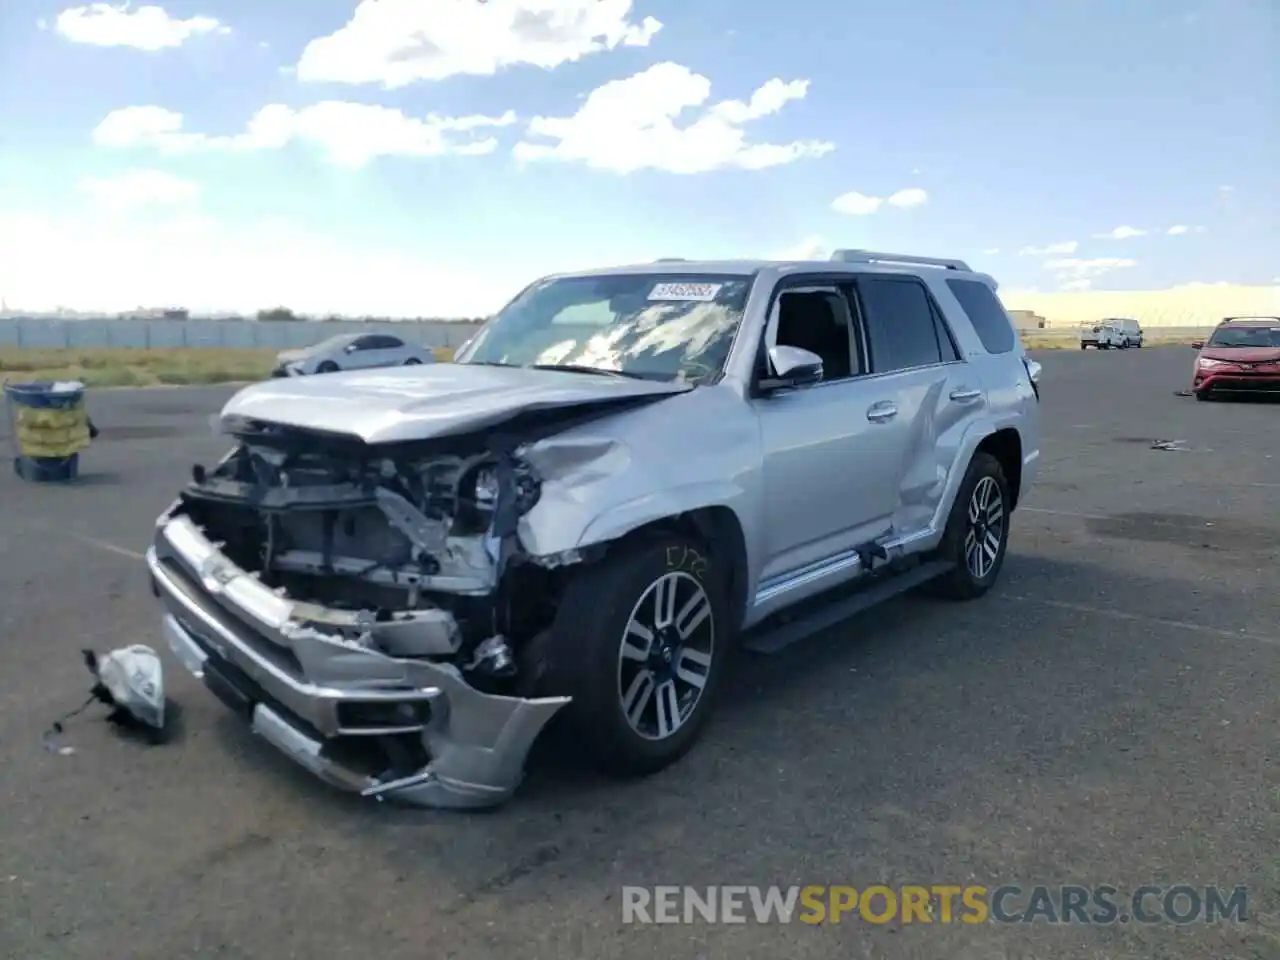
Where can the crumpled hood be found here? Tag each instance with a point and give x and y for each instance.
(392, 404)
(1242, 354)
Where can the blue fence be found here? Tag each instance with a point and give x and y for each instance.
(38, 332)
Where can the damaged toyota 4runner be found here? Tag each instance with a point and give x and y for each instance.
(399, 576)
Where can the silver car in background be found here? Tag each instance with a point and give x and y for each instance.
(357, 351)
(399, 578)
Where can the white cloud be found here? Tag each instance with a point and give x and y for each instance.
(1121, 233)
(398, 42)
(631, 124)
(810, 248)
(145, 28)
(1077, 274)
(350, 134)
(991, 251)
(911, 197)
(137, 188)
(1053, 249)
(1178, 230)
(856, 204)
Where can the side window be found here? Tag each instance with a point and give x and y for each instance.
(902, 325)
(389, 343)
(984, 311)
(362, 343)
(819, 321)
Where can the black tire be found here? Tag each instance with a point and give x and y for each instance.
(1084, 346)
(581, 654)
(962, 582)
(413, 362)
(1203, 395)
(327, 367)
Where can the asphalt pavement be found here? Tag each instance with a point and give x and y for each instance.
(1108, 715)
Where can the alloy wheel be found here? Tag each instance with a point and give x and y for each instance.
(665, 657)
(986, 528)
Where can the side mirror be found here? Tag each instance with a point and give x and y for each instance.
(349, 348)
(792, 367)
(1197, 344)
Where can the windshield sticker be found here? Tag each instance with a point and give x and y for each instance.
(686, 292)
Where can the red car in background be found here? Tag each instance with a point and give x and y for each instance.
(1242, 356)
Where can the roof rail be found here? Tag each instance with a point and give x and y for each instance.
(869, 256)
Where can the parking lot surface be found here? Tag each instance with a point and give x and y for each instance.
(1108, 715)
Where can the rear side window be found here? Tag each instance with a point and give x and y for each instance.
(985, 313)
(902, 324)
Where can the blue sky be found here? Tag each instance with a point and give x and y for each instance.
(994, 125)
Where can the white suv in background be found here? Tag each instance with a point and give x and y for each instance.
(1118, 333)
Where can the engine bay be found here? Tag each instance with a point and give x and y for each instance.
(409, 548)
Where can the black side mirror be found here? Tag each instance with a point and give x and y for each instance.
(1197, 344)
(792, 367)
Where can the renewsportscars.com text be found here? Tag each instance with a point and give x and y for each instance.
(938, 903)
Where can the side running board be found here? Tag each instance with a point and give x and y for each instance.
(772, 639)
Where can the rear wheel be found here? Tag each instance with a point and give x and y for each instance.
(977, 534)
(412, 362)
(639, 642)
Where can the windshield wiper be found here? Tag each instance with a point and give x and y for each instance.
(598, 371)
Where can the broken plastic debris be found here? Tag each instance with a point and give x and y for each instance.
(1169, 445)
(130, 680)
(134, 680)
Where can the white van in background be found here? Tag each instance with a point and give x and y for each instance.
(1118, 333)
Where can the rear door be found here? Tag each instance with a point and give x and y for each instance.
(930, 392)
(377, 350)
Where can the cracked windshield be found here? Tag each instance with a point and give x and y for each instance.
(658, 326)
(639, 480)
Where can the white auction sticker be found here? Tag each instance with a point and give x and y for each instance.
(697, 292)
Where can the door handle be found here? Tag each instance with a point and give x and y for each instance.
(965, 395)
(882, 412)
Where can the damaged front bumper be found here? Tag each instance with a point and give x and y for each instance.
(318, 697)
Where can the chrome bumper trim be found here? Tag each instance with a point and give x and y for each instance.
(477, 742)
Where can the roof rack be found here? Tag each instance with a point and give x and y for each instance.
(869, 256)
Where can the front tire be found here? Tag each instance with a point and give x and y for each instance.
(639, 642)
(977, 535)
(327, 367)
(412, 362)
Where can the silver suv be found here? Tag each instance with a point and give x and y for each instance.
(399, 576)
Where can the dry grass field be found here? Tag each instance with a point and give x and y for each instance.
(133, 367)
(129, 367)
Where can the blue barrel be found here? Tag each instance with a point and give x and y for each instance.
(50, 428)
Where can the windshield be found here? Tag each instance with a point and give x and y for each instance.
(660, 326)
(1245, 337)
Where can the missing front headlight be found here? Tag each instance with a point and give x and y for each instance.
(497, 493)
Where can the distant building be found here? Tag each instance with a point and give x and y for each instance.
(158, 313)
(1028, 320)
